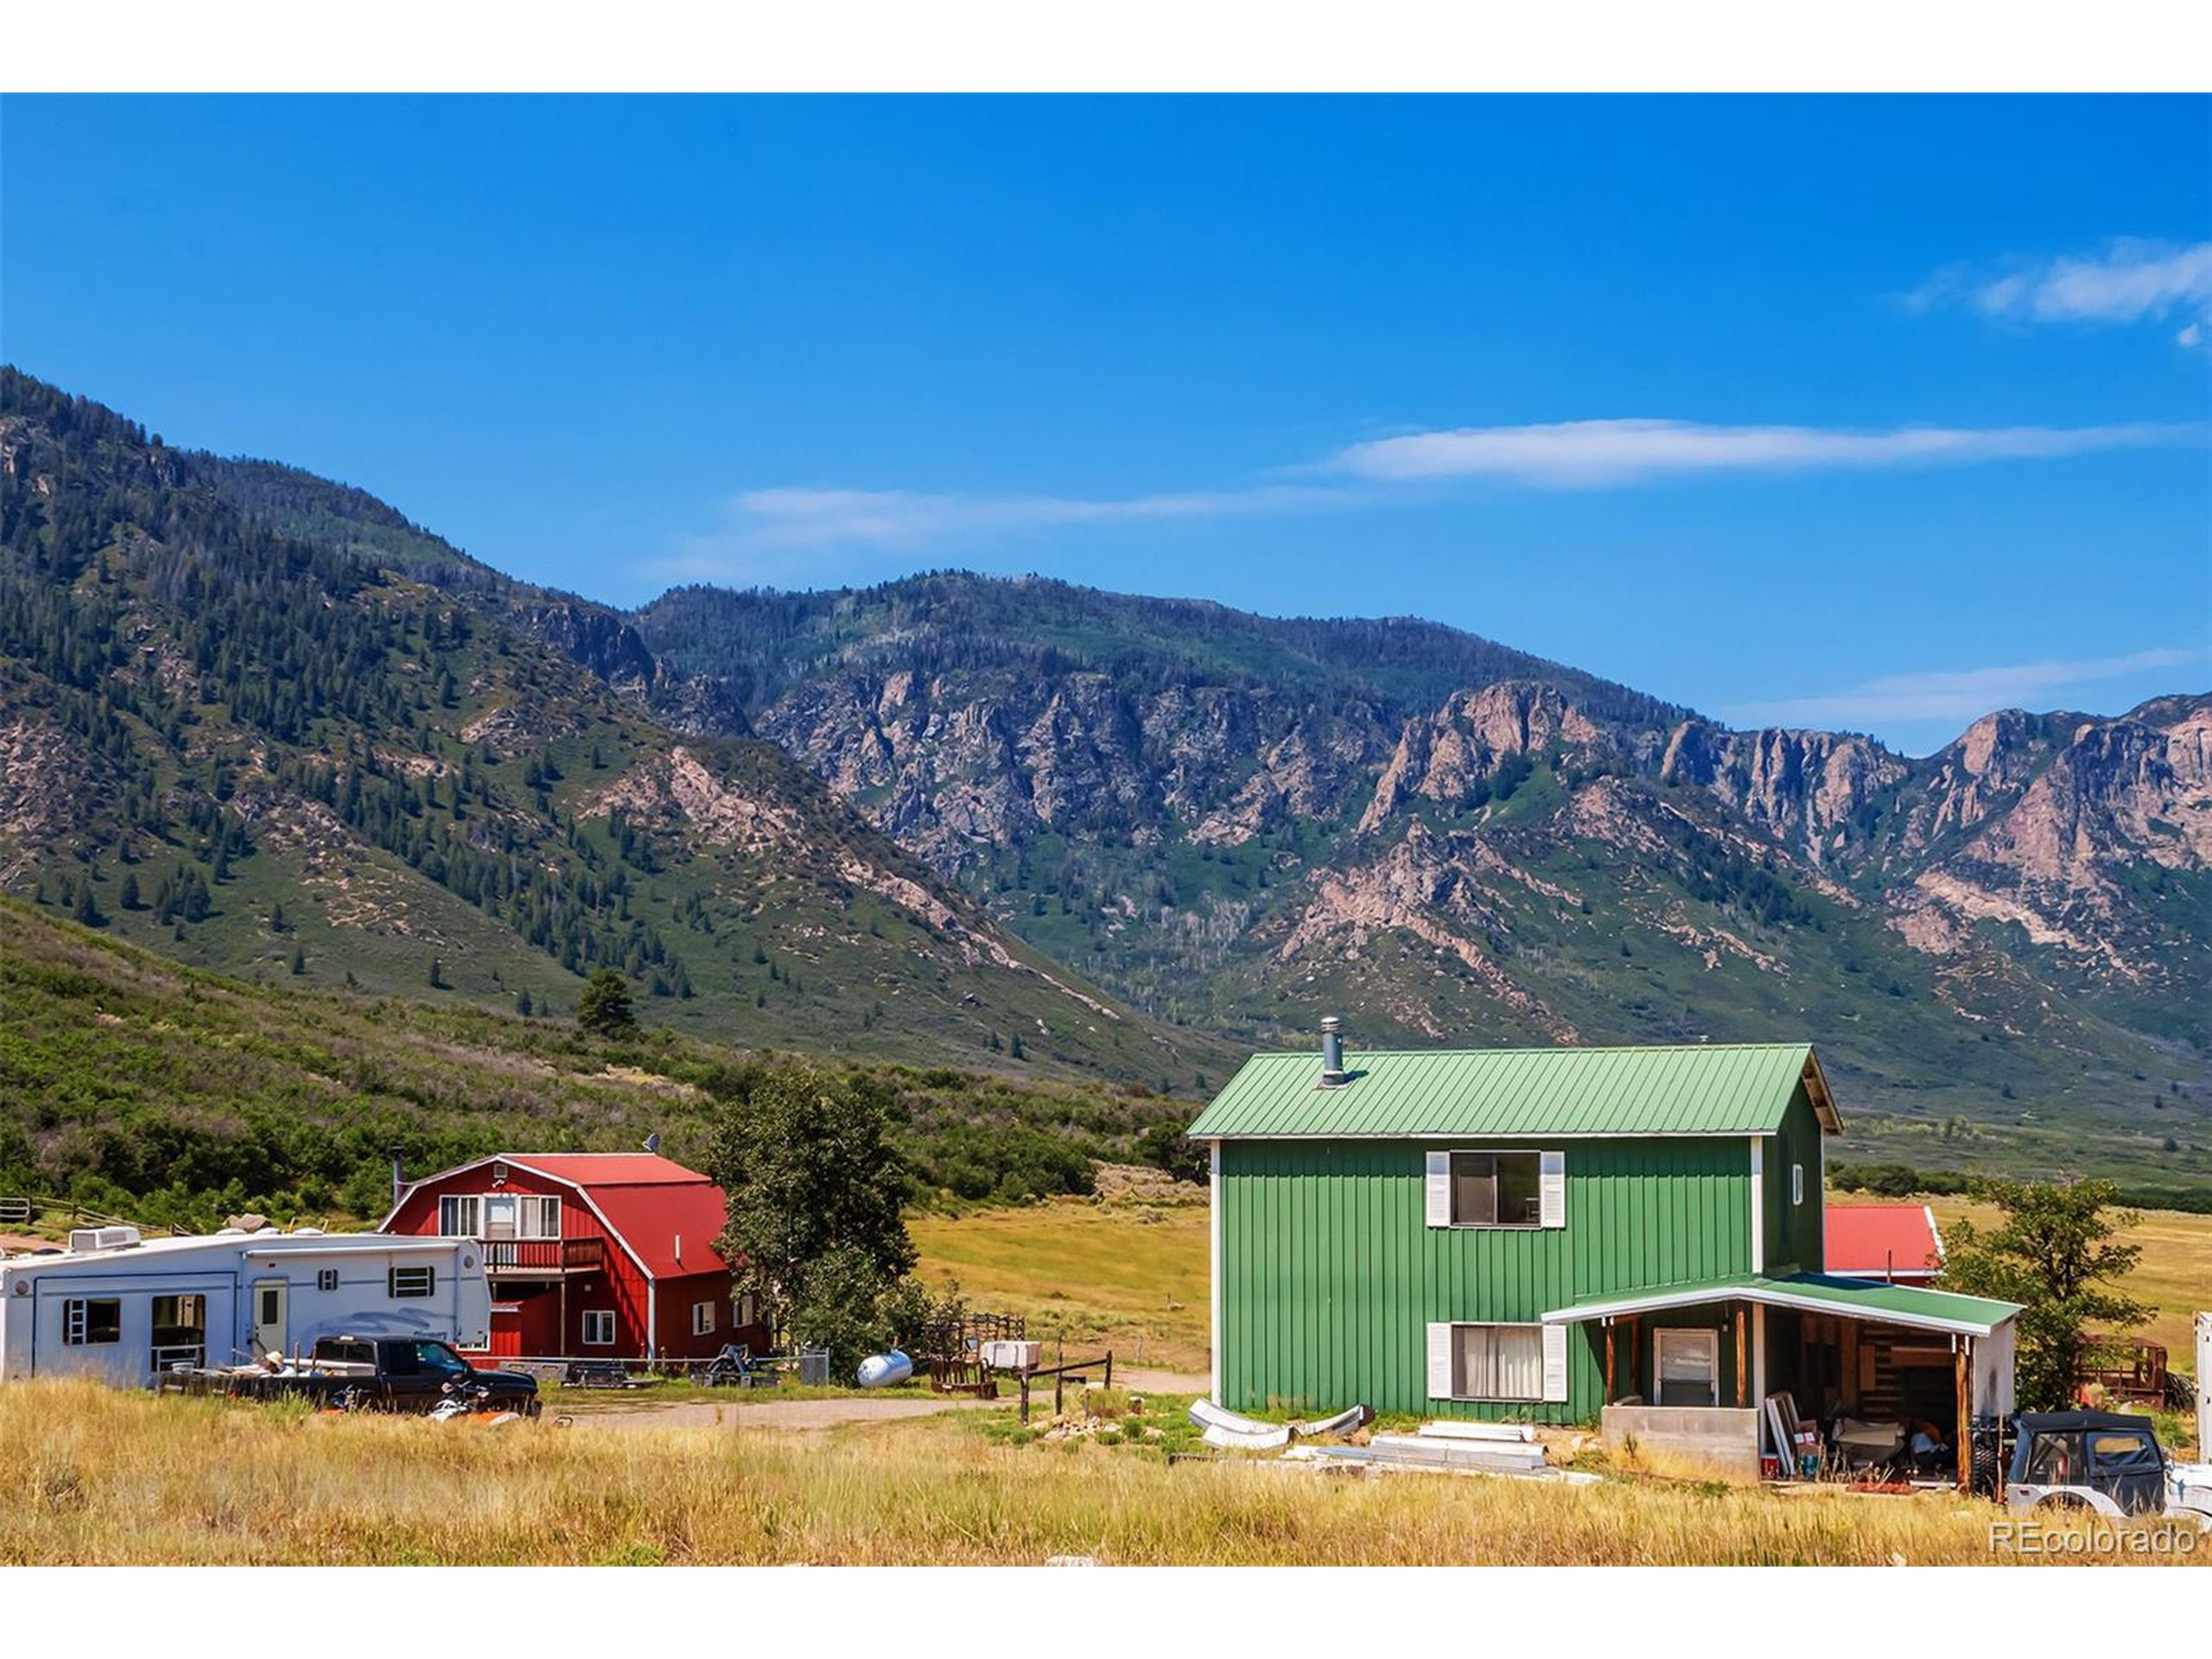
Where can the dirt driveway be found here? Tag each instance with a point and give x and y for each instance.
(766, 1414)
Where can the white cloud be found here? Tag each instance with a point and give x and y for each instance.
(2131, 281)
(1959, 694)
(1587, 454)
(802, 537)
(799, 536)
(902, 517)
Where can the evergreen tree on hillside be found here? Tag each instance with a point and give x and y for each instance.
(605, 1008)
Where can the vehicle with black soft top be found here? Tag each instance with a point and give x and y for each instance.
(373, 1373)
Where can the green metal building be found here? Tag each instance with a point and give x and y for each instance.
(1540, 1233)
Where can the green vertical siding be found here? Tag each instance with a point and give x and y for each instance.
(1793, 1231)
(1331, 1276)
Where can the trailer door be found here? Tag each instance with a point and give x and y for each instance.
(271, 1308)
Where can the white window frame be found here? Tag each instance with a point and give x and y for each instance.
(703, 1318)
(597, 1319)
(1545, 1359)
(77, 1322)
(538, 1216)
(1704, 1336)
(1452, 1186)
(741, 1311)
(409, 1274)
(460, 1215)
(1797, 1183)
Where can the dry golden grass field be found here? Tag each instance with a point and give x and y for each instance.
(1109, 1273)
(106, 1477)
(1133, 1278)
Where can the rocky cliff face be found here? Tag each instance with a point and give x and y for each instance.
(1230, 836)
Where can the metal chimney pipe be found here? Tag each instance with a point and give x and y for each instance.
(1332, 1052)
(398, 1180)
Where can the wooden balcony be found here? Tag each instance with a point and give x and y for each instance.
(542, 1258)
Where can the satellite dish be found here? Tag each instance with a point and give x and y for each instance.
(652, 1142)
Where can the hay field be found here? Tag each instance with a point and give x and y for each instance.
(1131, 1278)
(97, 1476)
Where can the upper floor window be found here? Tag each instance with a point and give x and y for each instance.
(1497, 1189)
(1512, 1189)
(498, 1215)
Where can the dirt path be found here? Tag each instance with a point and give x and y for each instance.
(767, 1413)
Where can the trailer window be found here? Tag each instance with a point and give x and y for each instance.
(412, 1281)
(89, 1319)
(1497, 1189)
(599, 1327)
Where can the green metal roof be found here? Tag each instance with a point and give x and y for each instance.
(1863, 1299)
(1695, 1089)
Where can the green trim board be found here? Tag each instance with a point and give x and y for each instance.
(1911, 1305)
(1693, 1090)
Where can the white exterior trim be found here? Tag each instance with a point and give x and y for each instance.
(1759, 1353)
(1772, 1296)
(1758, 1203)
(1213, 1204)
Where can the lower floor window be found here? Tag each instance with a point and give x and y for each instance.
(744, 1310)
(88, 1320)
(1498, 1362)
(703, 1318)
(599, 1327)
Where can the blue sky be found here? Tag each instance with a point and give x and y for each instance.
(1868, 413)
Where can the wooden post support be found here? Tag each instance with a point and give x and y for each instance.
(1962, 1364)
(1743, 1381)
(1024, 1396)
(1608, 1362)
(1636, 1355)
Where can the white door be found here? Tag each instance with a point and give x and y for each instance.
(271, 1302)
(1686, 1368)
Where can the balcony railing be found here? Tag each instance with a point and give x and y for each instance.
(542, 1258)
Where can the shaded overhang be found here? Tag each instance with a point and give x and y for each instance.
(1910, 1306)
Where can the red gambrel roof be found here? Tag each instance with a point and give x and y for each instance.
(652, 1205)
(1878, 1241)
(654, 1221)
(596, 1169)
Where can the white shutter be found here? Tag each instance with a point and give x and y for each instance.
(1555, 1365)
(1439, 1362)
(1439, 1189)
(1551, 1185)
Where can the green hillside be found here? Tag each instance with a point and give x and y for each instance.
(167, 1093)
(272, 754)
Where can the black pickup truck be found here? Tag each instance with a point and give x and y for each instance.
(375, 1373)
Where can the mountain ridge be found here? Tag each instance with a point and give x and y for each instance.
(1122, 836)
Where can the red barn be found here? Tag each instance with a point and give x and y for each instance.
(1894, 1241)
(591, 1255)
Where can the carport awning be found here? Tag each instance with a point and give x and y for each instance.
(1809, 1293)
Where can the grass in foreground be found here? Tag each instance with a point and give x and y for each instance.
(95, 1475)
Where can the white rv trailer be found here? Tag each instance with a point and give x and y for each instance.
(122, 1309)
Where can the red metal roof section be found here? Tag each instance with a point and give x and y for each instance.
(599, 1169)
(1871, 1241)
(652, 1220)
